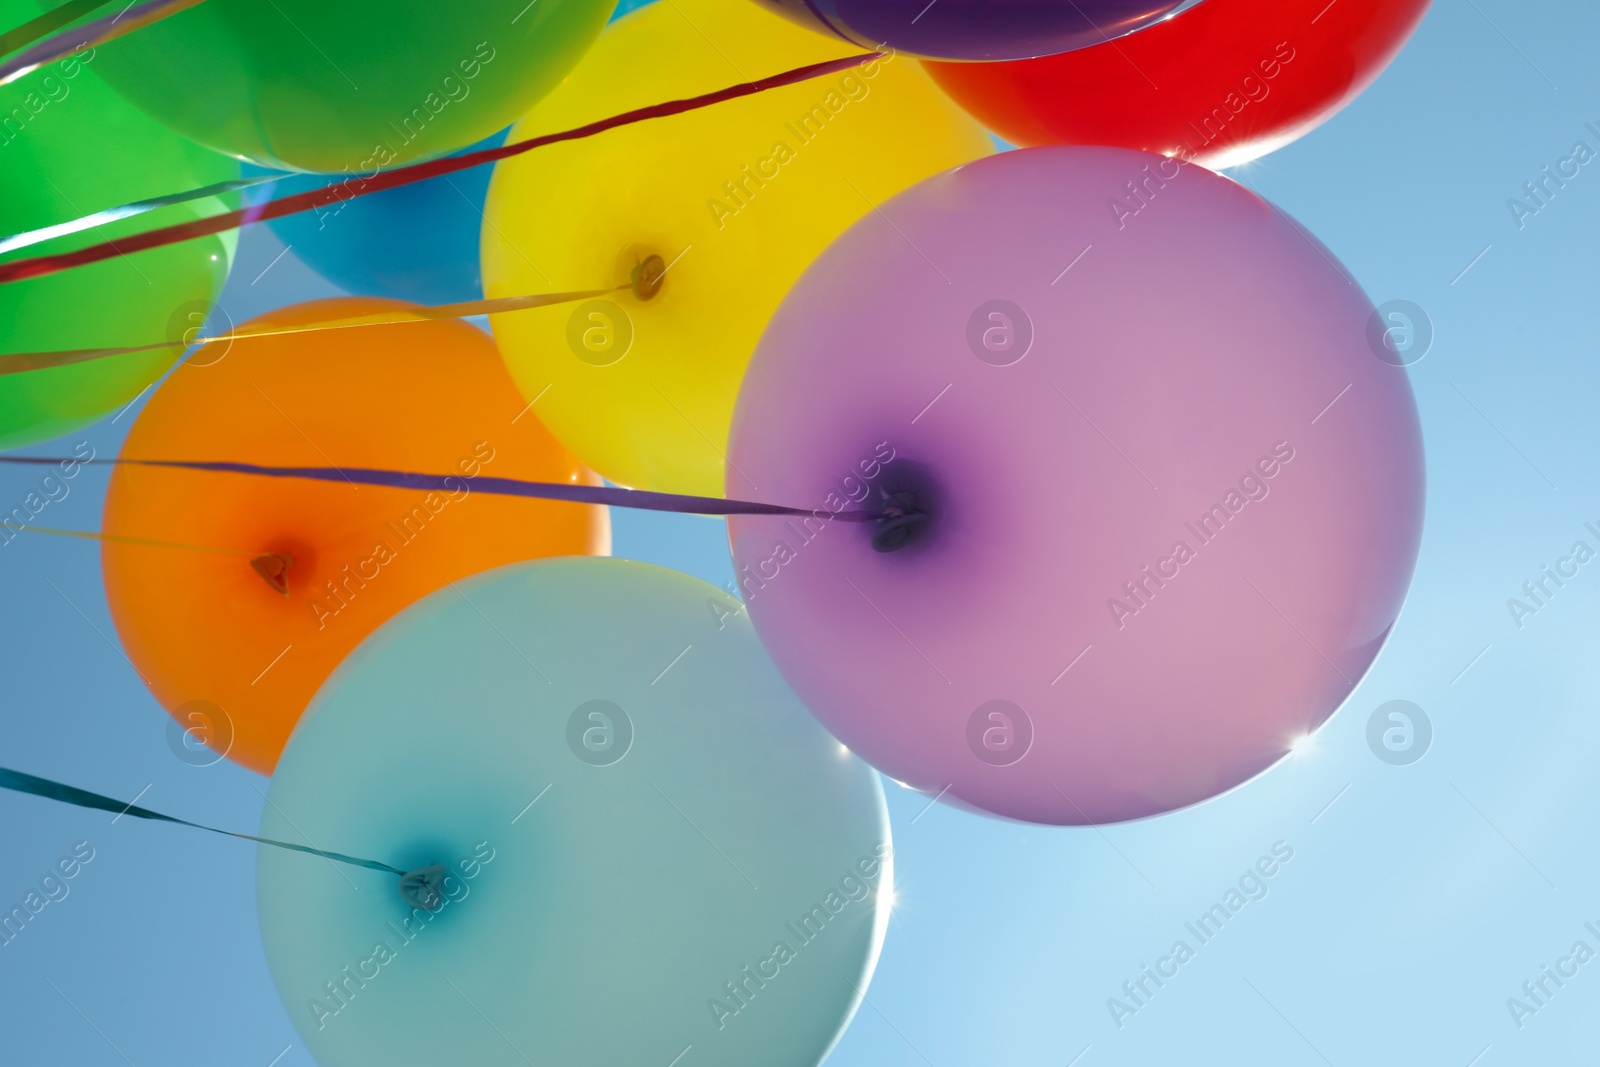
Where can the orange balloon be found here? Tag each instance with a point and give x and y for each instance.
(317, 566)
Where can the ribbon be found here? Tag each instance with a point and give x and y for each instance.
(127, 211)
(614, 496)
(377, 182)
(89, 35)
(22, 362)
(18, 782)
(44, 25)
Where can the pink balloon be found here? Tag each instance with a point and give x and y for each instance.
(1174, 467)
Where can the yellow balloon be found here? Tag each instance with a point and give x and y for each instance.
(736, 199)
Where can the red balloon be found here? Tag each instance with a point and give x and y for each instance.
(1220, 84)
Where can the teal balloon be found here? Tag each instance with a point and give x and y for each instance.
(651, 846)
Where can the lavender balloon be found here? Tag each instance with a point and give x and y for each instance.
(1154, 491)
(978, 29)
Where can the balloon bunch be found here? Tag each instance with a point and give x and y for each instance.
(1063, 484)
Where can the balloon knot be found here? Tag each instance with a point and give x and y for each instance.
(273, 568)
(908, 506)
(424, 887)
(647, 277)
(900, 524)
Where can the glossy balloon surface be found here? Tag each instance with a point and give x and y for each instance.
(735, 199)
(210, 634)
(349, 87)
(1176, 485)
(654, 847)
(1221, 85)
(987, 30)
(417, 242)
(69, 146)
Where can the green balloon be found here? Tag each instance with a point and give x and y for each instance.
(70, 146)
(650, 843)
(349, 85)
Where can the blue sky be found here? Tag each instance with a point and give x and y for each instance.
(1418, 897)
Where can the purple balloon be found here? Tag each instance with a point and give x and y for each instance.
(978, 29)
(1154, 469)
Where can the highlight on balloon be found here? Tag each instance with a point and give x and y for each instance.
(551, 466)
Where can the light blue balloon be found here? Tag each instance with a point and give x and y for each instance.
(417, 242)
(625, 7)
(653, 847)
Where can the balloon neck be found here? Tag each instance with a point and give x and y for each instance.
(273, 568)
(423, 887)
(647, 277)
(908, 508)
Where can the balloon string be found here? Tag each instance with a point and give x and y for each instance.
(364, 185)
(22, 362)
(90, 35)
(126, 211)
(96, 535)
(46, 24)
(614, 496)
(66, 794)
